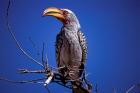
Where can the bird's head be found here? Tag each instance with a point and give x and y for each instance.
(66, 16)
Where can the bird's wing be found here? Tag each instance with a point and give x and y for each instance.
(58, 46)
(83, 45)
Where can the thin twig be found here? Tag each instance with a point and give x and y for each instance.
(34, 46)
(96, 88)
(17, 43)
(43, 62)
(46, 61)
(23, 71)
(132, 87)
(31, 41)
(48, 89)
(30, 81)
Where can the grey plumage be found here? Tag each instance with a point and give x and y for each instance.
(71, 52)
(71, 47)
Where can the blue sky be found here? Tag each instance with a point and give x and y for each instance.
(111, 28)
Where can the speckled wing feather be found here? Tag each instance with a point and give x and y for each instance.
(83, 45)
(82, 41)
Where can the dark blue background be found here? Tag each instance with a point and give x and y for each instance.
(112, 28)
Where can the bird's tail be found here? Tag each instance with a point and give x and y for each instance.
(78, 88)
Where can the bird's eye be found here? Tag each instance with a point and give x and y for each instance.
(65, 13)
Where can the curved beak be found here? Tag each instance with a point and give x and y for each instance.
(55, 12)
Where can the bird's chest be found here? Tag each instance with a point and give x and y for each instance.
(70, 50)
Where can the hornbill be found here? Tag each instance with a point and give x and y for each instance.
(71, 47)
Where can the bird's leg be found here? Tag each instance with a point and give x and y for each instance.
(24, 71)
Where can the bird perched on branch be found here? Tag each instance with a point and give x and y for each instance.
(71, 48)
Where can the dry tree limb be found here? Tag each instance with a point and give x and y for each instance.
(25, 71)
(27, 81)
(17, 43)
(35, 81)
(34, 46)
(132, 87)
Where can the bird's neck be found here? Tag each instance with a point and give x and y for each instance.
(71, 26)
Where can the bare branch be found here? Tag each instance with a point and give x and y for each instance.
(30, 81)
(24, 71)
(96, 88)
(46, 61)
(34, 46)
(48, 89)
(43, 61)
(132, 87)
(17, 43)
